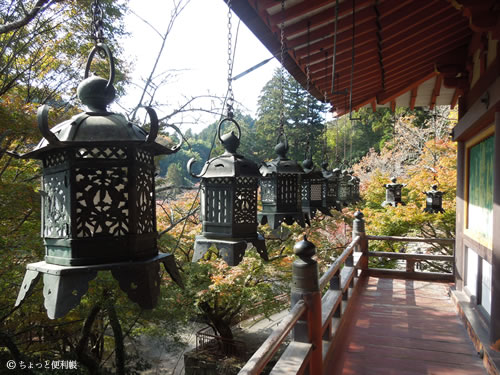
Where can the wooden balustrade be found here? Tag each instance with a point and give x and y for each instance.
(319, 305)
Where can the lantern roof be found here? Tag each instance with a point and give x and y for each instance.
(281, 164)
(229, 165)
(310, 169)
(97, 127)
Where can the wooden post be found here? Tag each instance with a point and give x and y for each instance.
(358, 229)
(305, 286)
(495, 259)
(410, 265)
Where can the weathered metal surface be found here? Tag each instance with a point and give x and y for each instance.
(393, 193)
(64, 286)
(228, 202)
(280, 186)
(434, 200)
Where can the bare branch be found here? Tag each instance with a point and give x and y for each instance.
(28, 16)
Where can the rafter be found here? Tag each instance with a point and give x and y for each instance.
(436, 91)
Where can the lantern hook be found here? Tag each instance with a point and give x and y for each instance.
(281, 148)
(153, 131)
(105, 48)
(43, 124)
(230, 141)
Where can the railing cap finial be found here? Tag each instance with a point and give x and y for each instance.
(304, 248)
(359, 215)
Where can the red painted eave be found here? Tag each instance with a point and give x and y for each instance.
(397, 44)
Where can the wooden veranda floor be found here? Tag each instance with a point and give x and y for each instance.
(404, 327)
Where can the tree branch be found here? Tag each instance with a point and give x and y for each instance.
(28, 16)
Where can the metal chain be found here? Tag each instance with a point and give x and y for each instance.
(230, 93)
(282, 70)
(97, 28)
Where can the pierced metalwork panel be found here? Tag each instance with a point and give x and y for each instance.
(245, 205)
(304, 191)
(145, 203)
(55, 158)
(101, 153)
(316, 190)
(101, 202)
(218, 203)
(55, 205)
(144, 157)
(287, 189)
(267, 194)
(247, 181)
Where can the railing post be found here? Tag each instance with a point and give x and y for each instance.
(305, 285)
(358, 229)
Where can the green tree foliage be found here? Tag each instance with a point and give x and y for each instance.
(303, 116)
(420, 154)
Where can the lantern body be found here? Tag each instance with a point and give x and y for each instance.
(228, 204)
(344, 188)
(434, 200)
(354, 185)
(313, 191)
(280, 185)
(332, 187)
(393, 194)
(98, 204)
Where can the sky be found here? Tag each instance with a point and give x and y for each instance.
(196, 49)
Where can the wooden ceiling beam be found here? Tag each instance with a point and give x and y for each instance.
(419, 43)
(344, 41)
(361, 76)
(364, 51)
(299, 10)
(407, 75)
(431, 53)
(418, 11)
(402, 88)
(341, 66)
(328, 17)
(431, 26)
(388, 8)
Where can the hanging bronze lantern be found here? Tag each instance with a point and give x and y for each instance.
(354, 186)
(280, 189)
(98, 201)
(393, 193)
(344, 188)
(229, 185)
(434, 200)
(332, 186)
(313, 190)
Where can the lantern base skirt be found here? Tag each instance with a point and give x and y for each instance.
(231, 250)
(434, 210)
(276, 219)
(393, 204)
(64, 286)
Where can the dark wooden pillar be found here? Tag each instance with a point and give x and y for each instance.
(495, 259)
(460, 218)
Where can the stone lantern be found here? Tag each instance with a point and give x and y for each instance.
(98, 201)
(393, 193)
(434, 200)
(229, 185)
(280, 189)
(313, 191)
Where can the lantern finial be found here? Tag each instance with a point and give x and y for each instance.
(96, 92)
